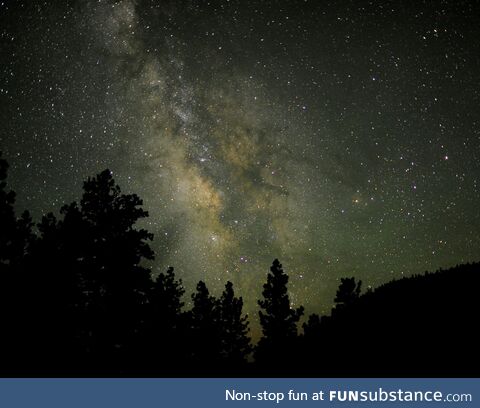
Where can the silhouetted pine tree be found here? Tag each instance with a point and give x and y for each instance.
(312, 356)
(278, 319)
(166, 299)
(312, 328)
(348, 292)
(94, 279)
(55, 297)
(115, 281)
(235, 343)
(15, 233)
(205, 343)
(15, 240)
(164, 335)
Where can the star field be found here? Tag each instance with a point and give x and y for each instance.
(342, 137)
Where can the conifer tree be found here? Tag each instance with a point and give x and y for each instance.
(94, 257)
(16, 238)
(312, 328)
(117, 282)
(204, 324)
(166, 299)
(348, 292)
(15, 233)
(235, 343)
(277, 318)
(163, 336)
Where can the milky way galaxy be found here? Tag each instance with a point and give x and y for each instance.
(340, 137)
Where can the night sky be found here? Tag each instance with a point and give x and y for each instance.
(342, 137)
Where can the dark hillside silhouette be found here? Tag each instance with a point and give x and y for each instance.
(425, 325)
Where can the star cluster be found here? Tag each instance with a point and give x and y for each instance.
(342, 137)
